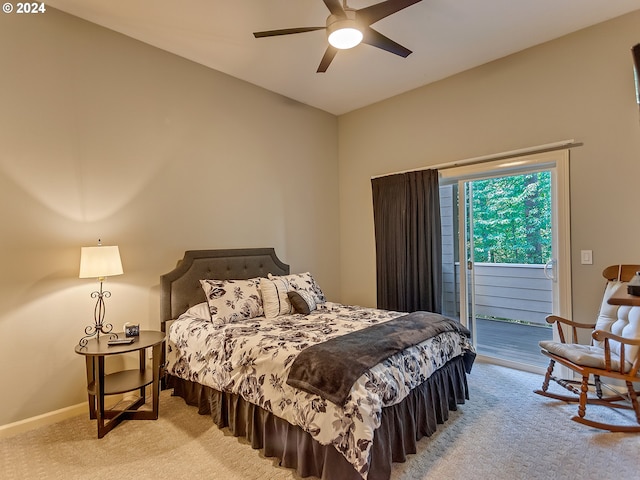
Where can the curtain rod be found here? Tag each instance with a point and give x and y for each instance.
(547, 147)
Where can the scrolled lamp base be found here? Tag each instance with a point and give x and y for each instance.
(98, 317)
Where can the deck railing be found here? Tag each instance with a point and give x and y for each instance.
(506, 291)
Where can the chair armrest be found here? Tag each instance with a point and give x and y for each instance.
(600, 335)
(559, 321)
(554, 318)
(605, 336)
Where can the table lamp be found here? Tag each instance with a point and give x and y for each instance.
(99, 262)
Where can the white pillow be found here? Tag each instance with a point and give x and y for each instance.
(275, 301)
(201, 310)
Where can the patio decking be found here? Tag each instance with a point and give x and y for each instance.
(512, 341)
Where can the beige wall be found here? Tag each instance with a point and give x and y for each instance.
(577, 87)
(102, 136)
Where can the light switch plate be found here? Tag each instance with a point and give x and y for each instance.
(586, 257)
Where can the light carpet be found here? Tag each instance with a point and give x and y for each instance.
(504, 431)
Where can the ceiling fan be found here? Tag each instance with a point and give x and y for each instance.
(347, 27)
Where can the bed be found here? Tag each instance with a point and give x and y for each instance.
(236, 362)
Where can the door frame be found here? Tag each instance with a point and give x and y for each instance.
(558, 162)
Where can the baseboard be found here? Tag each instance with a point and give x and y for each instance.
(49, 418)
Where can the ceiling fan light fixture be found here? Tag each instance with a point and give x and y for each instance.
(344, 33)
(347, 27)
(345, 38)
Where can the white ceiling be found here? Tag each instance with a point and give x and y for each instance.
(446, 37)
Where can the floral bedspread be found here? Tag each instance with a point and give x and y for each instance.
(252, 358)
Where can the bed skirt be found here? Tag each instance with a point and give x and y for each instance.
(402, 425)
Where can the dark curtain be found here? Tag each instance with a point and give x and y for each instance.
(406, 211)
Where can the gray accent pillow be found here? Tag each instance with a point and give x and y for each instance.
(302, 301)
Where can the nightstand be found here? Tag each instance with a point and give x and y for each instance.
(99, 385)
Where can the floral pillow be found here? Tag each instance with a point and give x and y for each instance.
(303, 282)
(275, 301)
(233, 300)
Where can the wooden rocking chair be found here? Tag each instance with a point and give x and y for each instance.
(613, 353)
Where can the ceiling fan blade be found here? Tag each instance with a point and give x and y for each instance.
(329, 54)
(335, 7)
(376, 39)
(372, 14)
(286, 31)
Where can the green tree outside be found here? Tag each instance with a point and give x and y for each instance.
(512, 219)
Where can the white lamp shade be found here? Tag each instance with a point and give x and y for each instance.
(100, 262)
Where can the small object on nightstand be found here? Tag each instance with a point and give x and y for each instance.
(131, 330)
(120, 341)
(633, 288)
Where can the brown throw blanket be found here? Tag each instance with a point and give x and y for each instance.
(330, 369)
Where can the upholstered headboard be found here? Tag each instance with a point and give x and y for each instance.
(181, 289)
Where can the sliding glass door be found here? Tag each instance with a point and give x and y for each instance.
(506, 253)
